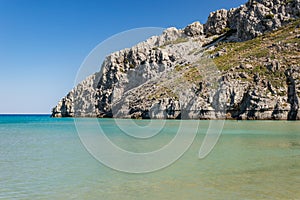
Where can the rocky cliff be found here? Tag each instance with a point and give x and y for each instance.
(244, 63)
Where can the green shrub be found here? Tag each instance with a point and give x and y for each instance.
(269, 16)
(225, 30)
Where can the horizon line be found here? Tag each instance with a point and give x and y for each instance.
(25, 113)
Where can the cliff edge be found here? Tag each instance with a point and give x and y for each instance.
(243, 63)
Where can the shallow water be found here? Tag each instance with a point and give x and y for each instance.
(43, 158)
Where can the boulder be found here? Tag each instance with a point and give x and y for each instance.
(194, 29)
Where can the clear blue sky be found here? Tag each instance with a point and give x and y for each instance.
(43, 43)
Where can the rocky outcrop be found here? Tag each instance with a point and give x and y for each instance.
(253, 19)
(217, 23)
(80, 101)
(292, 81)
(194, 29)
(177, 76)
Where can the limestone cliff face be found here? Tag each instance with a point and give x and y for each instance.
(254, 18)
(202, 71)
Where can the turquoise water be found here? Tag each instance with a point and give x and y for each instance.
(43, 158)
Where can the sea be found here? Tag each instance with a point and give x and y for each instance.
(45, 158)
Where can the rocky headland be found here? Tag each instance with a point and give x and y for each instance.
(243, 63)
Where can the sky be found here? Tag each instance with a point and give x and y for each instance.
(44, 43)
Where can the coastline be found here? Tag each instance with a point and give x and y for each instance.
(229, 68)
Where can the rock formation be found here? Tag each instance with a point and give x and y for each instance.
(254, 18)
(242, 64)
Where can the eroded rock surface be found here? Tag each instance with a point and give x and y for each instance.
(174, 75)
